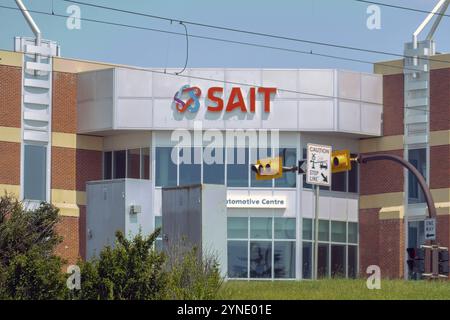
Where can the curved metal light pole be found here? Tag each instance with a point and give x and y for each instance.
(412, 169)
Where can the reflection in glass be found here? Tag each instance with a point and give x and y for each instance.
(322, 270)
(260, 259)
(190, 170)
(237, 167)
(338, 261)
(35, 172)
(289, 179)
(165, 168)
(338, 231)
(214, 173)
(353, 232)
(145, 163)
(307, 260)
(352, 261)
(119, 162)
(324, 228)
(107, 165)
(237, 259)
(237, 228)
(284, 228)
(307, 229)
(284, 259)
(260, 228)
(133, 163)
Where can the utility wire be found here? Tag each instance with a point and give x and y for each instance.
(187, 48)
(304, 52)
(255, 33)
(401, 7)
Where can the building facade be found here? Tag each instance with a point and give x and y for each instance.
(97, 123)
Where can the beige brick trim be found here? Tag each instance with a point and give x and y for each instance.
(381, 144)
(67, 209)
(392, 199)
(439, 138)
(440, 61)
(10, 58)
(441, 195)
(77, 141)
(10, 134)
(68, 196)
(389, 213)
(77, 66)
(10, 189)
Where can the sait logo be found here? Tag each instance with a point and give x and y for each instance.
(192, 104)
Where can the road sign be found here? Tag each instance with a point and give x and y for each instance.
(301, 166)
(430, 229)
(318, 165)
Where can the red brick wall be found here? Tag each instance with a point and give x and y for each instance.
(391, 248)
(69, 248)
(10, 96)
(368, 239)
(381, 176)
(88, 167)
(393, 101)
(9, 163)
(440, 99)
(440, 166)
(64, 113)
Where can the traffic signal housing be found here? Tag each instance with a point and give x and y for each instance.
(341, 161)
(443, 262)
(267, 169)
(416, 262)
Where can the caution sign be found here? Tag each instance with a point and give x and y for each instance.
(318, 165)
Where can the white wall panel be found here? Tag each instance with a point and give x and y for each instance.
(133, 83)
(133, 113)
(316, 115)
(371, 118)
(349, 116)
(284, 114)
(316, 83)
(286, 79)
(349, 85)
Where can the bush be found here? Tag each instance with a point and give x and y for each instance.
(192, 276)
(132, 270)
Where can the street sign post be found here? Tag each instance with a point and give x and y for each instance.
(430, 229)
(318, 173)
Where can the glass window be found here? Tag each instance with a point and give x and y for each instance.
(214, 173)
(119, 162)
(416, 234)
(352, 261)
(322, 270)
(165, 168)
(261, 228)
(237, 259)
(307, 229)
(352, 232)
(307, 260)
(284, 228)
(260, 259)
(284, 259)
(353, 177)
(237, 167)
(338, 231)
(237, 228)
(339, 181)
(338, 261)
(133, 163)
(107, 165)
(418, 158)
(35, 172)
(190, 170)
(255, 155)
(145, 163)
(324, 228)
(289, 179)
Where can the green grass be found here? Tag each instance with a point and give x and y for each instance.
(335, 289)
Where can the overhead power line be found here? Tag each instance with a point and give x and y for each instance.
(303, 52)
(401, 7)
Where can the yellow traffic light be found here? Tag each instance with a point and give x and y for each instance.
(267, 169)
(341, 161)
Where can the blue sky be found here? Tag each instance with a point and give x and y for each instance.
(337, 21)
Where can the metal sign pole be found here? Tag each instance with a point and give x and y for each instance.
(316, 234)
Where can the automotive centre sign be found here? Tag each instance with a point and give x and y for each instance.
(188, 99)
(256, 202)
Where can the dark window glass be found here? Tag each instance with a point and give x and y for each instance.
(352, 261)
(35, 172)
(289, 179)
(260, 259)
(418, 158)
(237, 259)
(322, 261)
(107, 165)
(338, 261)
(307, 229)
(214, 171)
(119, 164)
(237, 167)
(133, 164)
(353, 177)
(190, 170)
(165, 168)
(260, 228)
(284, 259)
(307, 260)
(145, 163)
(257, 155)
(353, 232)
(339, 181)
